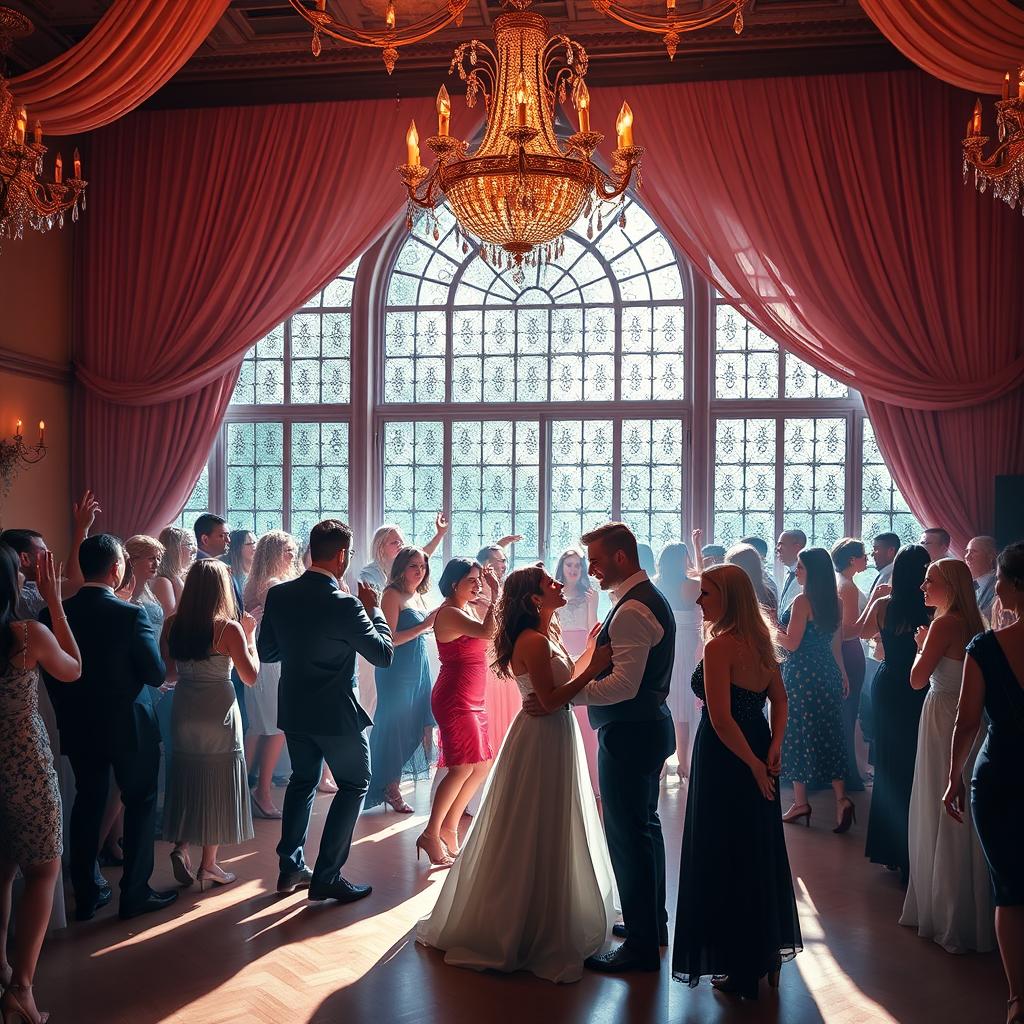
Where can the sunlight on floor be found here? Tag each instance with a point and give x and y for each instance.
(825, 979)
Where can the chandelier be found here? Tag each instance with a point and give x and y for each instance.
(1004, 169)
(670, 26)
(25, 199)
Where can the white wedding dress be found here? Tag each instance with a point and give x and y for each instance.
(532, 889)
(949, 898)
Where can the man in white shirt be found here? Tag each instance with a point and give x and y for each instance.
(981, 560)
(627, 707)
(935, 540)
(788, 547)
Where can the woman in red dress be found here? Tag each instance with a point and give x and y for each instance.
(457, 702)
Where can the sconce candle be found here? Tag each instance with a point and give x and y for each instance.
(17, 429)
(42, 432)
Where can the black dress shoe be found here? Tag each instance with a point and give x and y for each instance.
(622, 959)
(342, 890)
(148, 904)
(85, 910)
(619, 931)
(289, 881)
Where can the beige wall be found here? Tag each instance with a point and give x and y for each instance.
(35, 349)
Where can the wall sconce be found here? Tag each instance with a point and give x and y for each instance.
(15, 455)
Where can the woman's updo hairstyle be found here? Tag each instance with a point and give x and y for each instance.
(454, 573)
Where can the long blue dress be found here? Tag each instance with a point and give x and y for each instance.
(737, 912)
(814, 747)
(997, 788)
(403, 712)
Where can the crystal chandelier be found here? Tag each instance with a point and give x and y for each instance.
(25, 199)
(670, 26)
(519, 190)
(1004, 169)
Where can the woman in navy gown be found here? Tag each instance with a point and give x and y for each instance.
(403, 726)
(994, 682)
(737, 918)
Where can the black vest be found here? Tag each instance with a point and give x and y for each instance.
(649, 703)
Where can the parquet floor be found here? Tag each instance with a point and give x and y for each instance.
(242, 954)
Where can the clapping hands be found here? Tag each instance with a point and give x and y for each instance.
(368, 596)
(48, 579)
(491, 581)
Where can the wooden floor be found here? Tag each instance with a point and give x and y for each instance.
(243, 954)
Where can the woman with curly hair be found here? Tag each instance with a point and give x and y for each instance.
(533, 888)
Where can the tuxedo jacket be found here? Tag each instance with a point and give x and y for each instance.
(99, 714)
(316, 631)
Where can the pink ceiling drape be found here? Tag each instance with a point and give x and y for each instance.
(131, 52)
(205, 230)
(830, 211)
(968, 43)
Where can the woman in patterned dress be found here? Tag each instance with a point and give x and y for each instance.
(30, 809)
(814, 751)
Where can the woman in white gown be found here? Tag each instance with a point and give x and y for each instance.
(533, 887)
(949, 899)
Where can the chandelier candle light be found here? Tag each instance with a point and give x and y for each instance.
(520, 191)
(1004, 169)
(25, 199)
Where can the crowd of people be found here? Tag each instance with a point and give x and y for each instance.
(182, 674)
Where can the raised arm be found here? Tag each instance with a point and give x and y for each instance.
(717, 683)
(441, 525)
(968, 721)
(696, 536)
(84, 512)
(457, 622)
(57, 651)
(799, 610)
(535, 652)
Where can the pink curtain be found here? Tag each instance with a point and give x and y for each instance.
(970, 43)
(831, 212)
(130, 53)
(207, 228)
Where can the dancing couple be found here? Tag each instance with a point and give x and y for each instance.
(534, 887)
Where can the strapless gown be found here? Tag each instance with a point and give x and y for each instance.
(533, 888)
(457, 701)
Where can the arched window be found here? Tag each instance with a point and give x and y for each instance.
(614, 384)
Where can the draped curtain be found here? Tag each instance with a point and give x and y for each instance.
(970, 43)
(206, 229)
(830, 211)
(130, 53)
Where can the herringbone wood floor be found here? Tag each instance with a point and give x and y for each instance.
(242, 954)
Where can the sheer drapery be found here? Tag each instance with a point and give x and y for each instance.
(259, 208)
(130, 53)
(830, 211)
(969, 45)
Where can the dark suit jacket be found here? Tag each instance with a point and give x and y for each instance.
(120, 655)
(316, 630)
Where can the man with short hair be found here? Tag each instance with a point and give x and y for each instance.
(316, 630)
(103, 726)
(627, 706)
(787, 548)
(981, 560)
(883, 554)
(712, 554)
(935, 540)
(760, 545)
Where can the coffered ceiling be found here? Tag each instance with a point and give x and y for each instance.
(260, 49)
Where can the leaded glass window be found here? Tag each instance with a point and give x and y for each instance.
(651, 480)
(413, 477)
(883, 508)
(607, 322)
(744, 482)
(255, 476)
(814, 478)
(582, 469)
(319, 474)
(198, 501)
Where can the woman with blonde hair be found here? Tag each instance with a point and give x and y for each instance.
(207, 795)
(533, 888)
(747, 558)
(274, 561)
(387, 541)
(179, 553)
(949, 899)
(737, 917)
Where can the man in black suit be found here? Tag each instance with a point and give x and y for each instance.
(316, 630)
(106, 720)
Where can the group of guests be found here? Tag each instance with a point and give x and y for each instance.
(162, 640)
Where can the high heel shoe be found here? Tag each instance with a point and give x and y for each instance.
(259, 811)
(12, 1011)
(849, 816)
(793, 815)
(746, 989)
(435, 850)
(453, 848)
(181, 868)
(393, 799)
(213, 878)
